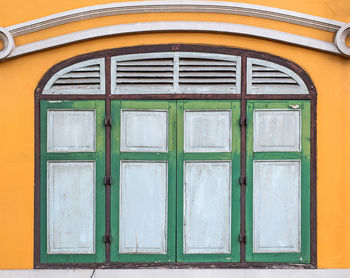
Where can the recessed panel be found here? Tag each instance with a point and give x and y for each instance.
(144, 131)
(71, 130)
(71, 208)
(207, 207)
(277, 130)
(276, 206)
(143, 207)
(207, 131)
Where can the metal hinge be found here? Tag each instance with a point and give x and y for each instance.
(108, 121)
(107, 238)
(108, 180)
(242, 238)
(243, 181)
(242, 121)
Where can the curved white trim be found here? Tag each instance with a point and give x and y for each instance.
(8, 42)
(168, 26)
(339, 46)
(340, 39)
(180, 6)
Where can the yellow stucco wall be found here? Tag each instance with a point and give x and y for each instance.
(19, 77)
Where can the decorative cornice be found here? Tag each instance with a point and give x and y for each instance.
(338, 47)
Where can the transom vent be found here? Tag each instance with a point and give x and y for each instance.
(86, 77)
(269, 76)
(176, 74)
(145, 72)
(265, 77)
(81, 78)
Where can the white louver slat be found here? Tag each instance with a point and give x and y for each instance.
(81, 78)
(175, 73)
(214, 76)
(142, 74)
(269, 78)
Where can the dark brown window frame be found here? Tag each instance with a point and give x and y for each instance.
(243, 97)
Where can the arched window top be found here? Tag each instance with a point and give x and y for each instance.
(87, 77)
(264, 77)
(178, 72)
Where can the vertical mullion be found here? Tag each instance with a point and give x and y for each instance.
(243, 153)
(108, 156)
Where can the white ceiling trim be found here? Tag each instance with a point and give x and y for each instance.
(340, 29)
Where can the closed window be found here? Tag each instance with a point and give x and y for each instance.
(176, 176)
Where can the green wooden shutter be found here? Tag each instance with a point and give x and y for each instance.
(278, 181)
(144, 181)
(72, 203)
(208, 169)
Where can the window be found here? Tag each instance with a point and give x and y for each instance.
(181, 157)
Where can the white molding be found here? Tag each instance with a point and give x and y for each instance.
(171, 26)
(180, 6)
(339, 46)
(340, 39)
(8, 42)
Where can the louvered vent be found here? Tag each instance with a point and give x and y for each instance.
(80, 78)
(175, 73)
(150, 76)
(207, 76)
(269, 78)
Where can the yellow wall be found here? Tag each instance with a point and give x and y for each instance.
(19, 77)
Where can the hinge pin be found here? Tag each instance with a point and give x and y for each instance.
(108, 121)
(107, 238)
(108, 180)
(242, 121)
(243, 181)
(242, 238)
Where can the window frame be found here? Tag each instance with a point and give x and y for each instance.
(243, 97)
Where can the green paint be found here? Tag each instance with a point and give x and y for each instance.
(98, 157)
(170, 157)
(175, 158)
(304, 255)
(234, 157)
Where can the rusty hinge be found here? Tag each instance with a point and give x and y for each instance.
(242, 238)
(108, 180)
(107, 238)
(243, 180)
(242, 121)
(108, 121)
